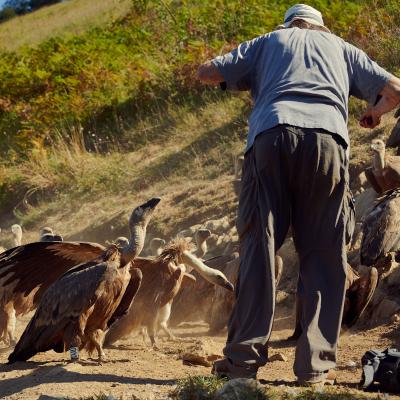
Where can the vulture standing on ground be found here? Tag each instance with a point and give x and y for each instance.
(384, 174)
(381, 233)
(27, 271)
(155, 294)
(74, 311)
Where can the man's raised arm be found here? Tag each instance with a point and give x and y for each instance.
(208, 73)
(390, 99)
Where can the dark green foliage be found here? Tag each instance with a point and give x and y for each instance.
(7, 13)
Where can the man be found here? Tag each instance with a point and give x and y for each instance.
(296, 174)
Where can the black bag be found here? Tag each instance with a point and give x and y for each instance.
(383, 368)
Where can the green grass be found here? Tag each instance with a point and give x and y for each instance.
(206, 388)
(68, 18)
(111, 113)
(101, 78)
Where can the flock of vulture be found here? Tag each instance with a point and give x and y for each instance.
(87, 296)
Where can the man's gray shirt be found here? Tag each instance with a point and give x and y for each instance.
(301, 77)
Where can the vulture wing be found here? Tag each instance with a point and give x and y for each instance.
(394, 137)
(369, 173)
(27, 271)
(392, 171)
(381, 233)
(65, 305)
(128, 297)
(219, 262)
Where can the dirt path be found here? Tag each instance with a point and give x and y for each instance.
(135, 369)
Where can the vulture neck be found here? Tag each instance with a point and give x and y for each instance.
(379, 161)
(206, 272)
(17, 241)
(201, 248)
(135, 246)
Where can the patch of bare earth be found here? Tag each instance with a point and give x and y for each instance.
(133, 368)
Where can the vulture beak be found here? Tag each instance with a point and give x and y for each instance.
(152, 203)
(229, 286)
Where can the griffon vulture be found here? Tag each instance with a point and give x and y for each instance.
(381, 233)
(74, 311)
(384, 174)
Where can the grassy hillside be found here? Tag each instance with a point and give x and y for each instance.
(72, 17)
(97, 115)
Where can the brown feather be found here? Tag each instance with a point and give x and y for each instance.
(76, 305)
(381, 234)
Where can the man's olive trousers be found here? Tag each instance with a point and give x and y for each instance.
(291, 177)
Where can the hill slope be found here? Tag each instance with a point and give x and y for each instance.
(96, 122)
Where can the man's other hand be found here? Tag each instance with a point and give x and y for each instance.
(208, 73)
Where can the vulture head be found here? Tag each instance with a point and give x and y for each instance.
(378, 146)
(45, 230)
(202, 235)
(156, 246)
(138, 222)
(141, 215)
(122, 241)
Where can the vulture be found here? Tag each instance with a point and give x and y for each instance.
(201, 237)
(27, 271)
(74, 311)
(156, 246)
(162, 280)
(47, 235)
(16, 231)
(394, 137)
(381, 233)
(384, 174)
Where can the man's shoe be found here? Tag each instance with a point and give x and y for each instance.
(359, 295)
(326, 379)
(223, 369)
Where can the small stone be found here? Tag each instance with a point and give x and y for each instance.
(241, 389)
(278, 357)
(351, 364)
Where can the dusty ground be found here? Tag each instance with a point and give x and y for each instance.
(135, 369)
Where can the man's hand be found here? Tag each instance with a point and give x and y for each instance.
(390, 99)
(208, 73)
(370, 118)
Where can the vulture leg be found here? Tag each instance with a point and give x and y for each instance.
(152, 329)
(163, 318)
(73, 340)
(97, 339)
(7, 324)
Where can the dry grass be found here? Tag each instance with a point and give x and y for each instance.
(71, 17)
(188, 162)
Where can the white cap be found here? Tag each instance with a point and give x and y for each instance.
(305, 13)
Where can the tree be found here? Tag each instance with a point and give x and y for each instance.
(7, 13)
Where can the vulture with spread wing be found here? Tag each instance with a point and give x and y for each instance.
(74, 311)
(381, 233)
(27, 271)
